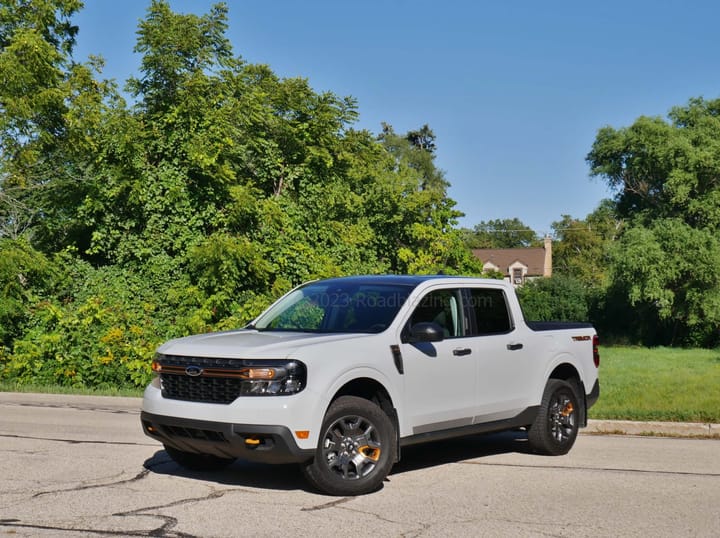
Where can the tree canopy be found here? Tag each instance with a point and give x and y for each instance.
(501, 233)
(217, 188)
(666, 174)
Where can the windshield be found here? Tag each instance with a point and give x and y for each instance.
(335, 308)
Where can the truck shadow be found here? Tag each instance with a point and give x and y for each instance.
(289, 477)
(460, 449)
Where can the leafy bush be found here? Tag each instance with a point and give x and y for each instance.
(25, 276)
(100, 330)
(558, 298)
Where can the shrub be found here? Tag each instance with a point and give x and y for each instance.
(558, 298)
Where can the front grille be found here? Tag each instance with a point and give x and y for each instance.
(215, 389)
(200, 389)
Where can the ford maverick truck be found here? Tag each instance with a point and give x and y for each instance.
(340, 375)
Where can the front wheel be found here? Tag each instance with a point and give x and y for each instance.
(356, 449)
(556, 426)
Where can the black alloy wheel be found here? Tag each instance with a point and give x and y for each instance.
(356, 449)
(556, 426)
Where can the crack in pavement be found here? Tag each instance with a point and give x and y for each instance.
(142, 474)
(98, 532)
(170, 522)
(77, 407)
(74, 441)
(324, 506)
(165, 530)
(575, 468)
(338, 502)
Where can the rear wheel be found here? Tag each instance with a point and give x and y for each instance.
(356, 448)
(197, 462)
(556, 426)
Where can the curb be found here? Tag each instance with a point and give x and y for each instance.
(660, 429)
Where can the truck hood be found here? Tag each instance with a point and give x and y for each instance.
(249, 343)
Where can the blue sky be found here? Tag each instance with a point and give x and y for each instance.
(514, 91)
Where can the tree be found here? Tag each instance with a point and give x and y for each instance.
(50, 109)
(671, 270)
(665, 174)
(413, 217)
(664, 169)
(415, 150)
(500, 233)
(581, 247)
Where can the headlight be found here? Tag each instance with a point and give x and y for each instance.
(286, 379)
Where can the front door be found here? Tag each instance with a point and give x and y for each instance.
(440, 377)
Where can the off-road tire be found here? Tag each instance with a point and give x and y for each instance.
(356, 448)
(556, 426)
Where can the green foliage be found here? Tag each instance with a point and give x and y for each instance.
(664, 267)
(500, 233)
(25, 277)
(558, 298)
(221, 187)
(665, 169)
(99, 329)
(49, 18)
(670, 268)
(581, 246)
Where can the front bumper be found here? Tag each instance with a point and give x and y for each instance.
(251, 442)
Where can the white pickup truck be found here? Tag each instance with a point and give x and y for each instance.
(339, 375)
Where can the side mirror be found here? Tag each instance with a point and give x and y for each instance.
(426, 331)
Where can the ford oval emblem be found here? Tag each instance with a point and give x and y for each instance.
(193, 371)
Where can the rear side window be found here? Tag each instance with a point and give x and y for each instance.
(491, 311)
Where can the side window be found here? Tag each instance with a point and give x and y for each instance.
(442, 307)
(491, 311)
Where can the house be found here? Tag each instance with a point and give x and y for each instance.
(518, 264)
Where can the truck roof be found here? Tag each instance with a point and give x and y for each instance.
(406, 280)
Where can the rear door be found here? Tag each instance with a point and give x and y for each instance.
(504, 360)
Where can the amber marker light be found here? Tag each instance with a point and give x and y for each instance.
(258, 373)
(156, 367)
(302, 434)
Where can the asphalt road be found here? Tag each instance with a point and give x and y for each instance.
(80, 466)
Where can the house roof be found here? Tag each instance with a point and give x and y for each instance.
(503, 258)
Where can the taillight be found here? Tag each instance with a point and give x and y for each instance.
(596, 351)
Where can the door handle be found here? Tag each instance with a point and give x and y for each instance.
(459, 352)
(514, 347)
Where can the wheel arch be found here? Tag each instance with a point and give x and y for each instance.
(569, 373)
(372, 390)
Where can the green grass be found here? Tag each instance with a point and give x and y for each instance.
(668, 384)
(10, 386)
